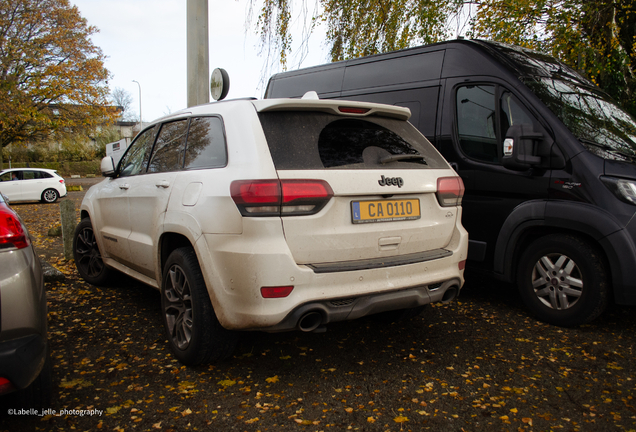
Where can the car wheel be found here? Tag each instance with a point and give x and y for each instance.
(194, 332)
(49, 196)
(88, 259)
(563, 280)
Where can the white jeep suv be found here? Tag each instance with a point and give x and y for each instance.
(275, 215)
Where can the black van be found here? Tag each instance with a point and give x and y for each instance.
(548, 161)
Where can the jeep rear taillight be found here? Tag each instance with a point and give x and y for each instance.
(450, 191)
(280, 197)
(12, 235)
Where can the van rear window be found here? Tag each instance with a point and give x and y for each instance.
(314, 140)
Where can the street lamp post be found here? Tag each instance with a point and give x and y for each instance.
(140, 118)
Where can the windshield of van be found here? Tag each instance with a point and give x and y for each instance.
(592, 116)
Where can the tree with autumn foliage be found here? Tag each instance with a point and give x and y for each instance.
(52, 78)
(596, 37)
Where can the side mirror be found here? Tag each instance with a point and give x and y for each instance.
(108, 167)
(520, 147)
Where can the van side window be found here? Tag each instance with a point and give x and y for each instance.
(513, 112)
(476, 122)
(168, 153)
(206, 144)
(136, 158)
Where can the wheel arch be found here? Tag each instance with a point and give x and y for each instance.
(534, 219)
(168, 242)
(84, 214)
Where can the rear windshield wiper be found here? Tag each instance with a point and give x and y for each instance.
(394, 158)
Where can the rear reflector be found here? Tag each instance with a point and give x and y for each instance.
(276, 292)
(280, 197)
(450, 191)
(461, 265)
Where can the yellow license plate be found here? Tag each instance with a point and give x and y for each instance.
(385, 210)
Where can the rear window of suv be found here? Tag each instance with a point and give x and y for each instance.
(315, 140)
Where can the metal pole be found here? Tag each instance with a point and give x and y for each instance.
(140, 118)
(198, 57)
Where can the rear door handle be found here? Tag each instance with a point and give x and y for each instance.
(163, 184)
(124, 186)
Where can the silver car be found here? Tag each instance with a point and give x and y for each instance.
(25, 369)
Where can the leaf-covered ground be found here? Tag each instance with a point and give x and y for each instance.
(480, 363)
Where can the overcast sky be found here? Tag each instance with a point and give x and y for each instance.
(145, 40)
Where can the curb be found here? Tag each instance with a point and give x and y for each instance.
(51, 274)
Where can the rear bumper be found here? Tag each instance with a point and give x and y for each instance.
(235, 271)
(22, 359)
(23, 310)
(313, 315)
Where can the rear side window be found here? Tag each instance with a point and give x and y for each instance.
(313, 140)
(206, 144)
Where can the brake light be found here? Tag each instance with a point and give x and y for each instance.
(12, 235)
(351, 110)
(450, 191)
(280, 197)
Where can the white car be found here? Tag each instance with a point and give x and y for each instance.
(32, 184)
(276, 215)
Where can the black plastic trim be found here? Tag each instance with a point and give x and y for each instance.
(374, 263)
(22, 359)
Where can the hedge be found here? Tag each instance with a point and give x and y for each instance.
(65, 169)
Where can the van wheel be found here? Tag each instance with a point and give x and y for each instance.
(194, 332)
(88, 259)
(563, 280)
(49, 196)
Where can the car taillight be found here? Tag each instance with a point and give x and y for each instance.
(280, 197)
(12, 235)
(6, 386)
(450, 191)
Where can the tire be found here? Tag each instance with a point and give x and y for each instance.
(88, 258)
(49, 196)
(563, 280)
(193, 330)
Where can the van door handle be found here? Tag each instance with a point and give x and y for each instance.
(163, 184)
(124, 186)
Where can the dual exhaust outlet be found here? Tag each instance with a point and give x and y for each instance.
(313, 320)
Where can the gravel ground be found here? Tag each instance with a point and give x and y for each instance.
(479, 363)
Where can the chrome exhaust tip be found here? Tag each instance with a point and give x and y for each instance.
(310, 321)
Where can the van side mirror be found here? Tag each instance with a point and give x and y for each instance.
(520, 147)
(108, 167)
